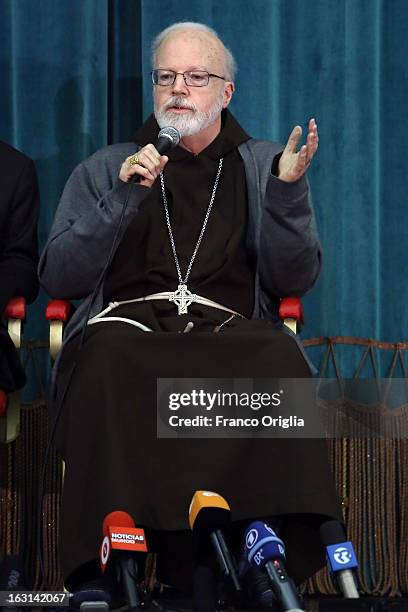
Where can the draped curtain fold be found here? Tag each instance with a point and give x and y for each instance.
(74, 77)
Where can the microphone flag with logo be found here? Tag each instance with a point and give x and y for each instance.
(341, 557)
(121, 540)
(265, 550)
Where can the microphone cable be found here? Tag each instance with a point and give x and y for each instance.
(58, 413)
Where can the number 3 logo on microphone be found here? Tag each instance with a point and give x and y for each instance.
(342, 555)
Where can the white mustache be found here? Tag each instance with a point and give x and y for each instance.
(180, 103)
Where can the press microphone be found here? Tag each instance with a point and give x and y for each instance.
(167, 138)
(341, 557)
(120, 542)
(264, 550)
(208, 514)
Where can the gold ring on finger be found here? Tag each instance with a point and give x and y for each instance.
(133, 159)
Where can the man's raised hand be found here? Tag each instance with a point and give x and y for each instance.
(146, 163)
(293, 164)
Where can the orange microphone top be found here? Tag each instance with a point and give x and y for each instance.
(203, 500)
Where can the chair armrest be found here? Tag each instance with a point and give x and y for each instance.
(291, 313)
(16, 309)
(15, 313)
(57, 313)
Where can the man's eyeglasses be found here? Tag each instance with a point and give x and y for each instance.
(192, 78)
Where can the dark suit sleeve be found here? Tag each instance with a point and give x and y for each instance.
(19, 251)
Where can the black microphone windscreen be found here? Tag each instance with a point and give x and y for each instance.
(211, 519)
(332, 532)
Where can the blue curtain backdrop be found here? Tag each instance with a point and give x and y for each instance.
(74, 76)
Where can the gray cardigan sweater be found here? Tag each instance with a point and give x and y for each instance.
(282, 240)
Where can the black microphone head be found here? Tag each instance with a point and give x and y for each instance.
(332, 532)
(211, 519)
(168, 138)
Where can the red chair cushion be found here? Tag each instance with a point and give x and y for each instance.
(58, 310)
(291, 308)
(3, 403)
(16, 309)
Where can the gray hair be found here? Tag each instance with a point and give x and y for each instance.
(229, 61)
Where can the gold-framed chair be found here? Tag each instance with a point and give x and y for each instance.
(58, 313)
(10, 403)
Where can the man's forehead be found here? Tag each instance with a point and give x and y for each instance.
(200, 46)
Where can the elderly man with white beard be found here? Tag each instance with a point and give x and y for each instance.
(227, 219)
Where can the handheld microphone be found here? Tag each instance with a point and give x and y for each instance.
(208, 514)
(263, 549)
(167, 138)
(341, 557)
(121, 540)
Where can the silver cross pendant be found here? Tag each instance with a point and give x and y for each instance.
(182, 298)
